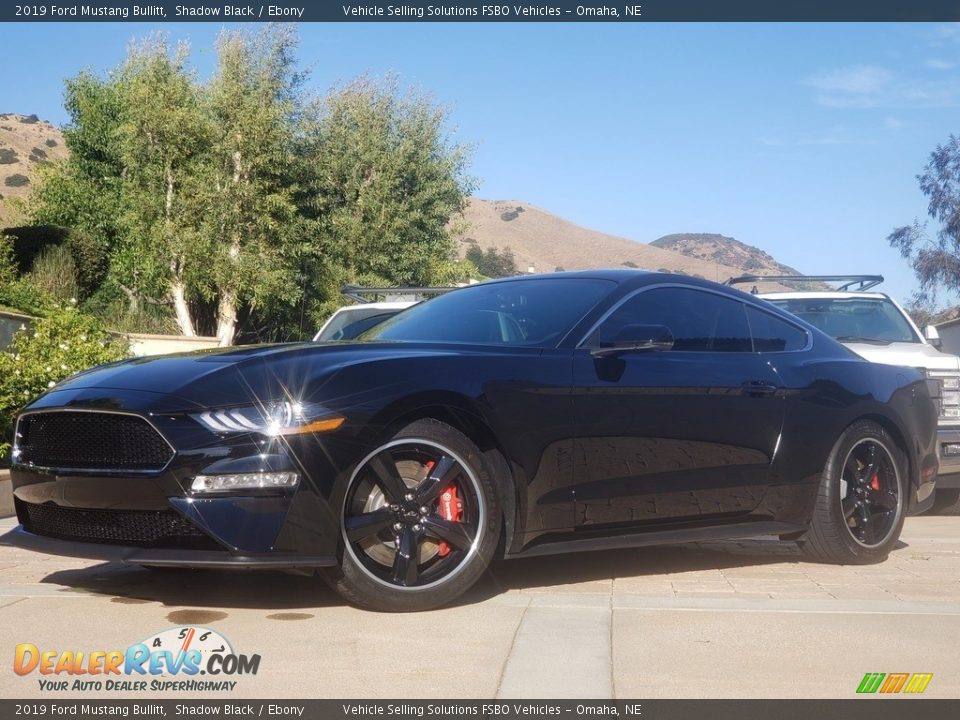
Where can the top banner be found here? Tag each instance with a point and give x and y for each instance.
(438, 11)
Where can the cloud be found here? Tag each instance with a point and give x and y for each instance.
(892, 123)
(938, 64)
(855, 86)
(872, 86)
(946, 31)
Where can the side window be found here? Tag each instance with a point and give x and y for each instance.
(771, 334)
(700, 321)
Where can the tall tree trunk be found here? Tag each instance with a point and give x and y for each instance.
(177, 288)
(227, 317)
(178, 296)
(227, 305)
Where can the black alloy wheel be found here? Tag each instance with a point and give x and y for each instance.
(421, 521)
(861, 501)
(870, 497)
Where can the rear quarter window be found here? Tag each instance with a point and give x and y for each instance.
(773, 334)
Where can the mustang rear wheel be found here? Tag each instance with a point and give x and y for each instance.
(420, 521)
(862, 498)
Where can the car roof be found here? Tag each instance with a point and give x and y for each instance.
(824, 295)
(392, 305)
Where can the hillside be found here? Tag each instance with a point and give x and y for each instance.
(725, 250)
(25, 143)
(540, 239)
(537, 238)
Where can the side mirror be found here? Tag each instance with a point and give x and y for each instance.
(636, 338)
(932, 335)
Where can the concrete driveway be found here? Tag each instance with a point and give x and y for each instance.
(733, 619)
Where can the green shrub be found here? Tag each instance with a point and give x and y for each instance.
(55, 347)
(7, 156)
(113, 307)
(629, 264)
(29, 120)
(55, 272)
(16, 292)
(51, 143)
(16, 180)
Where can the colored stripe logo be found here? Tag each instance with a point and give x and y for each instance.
(891, 683)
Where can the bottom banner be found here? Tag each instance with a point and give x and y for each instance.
(866, 708)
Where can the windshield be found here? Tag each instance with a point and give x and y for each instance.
(350, 322)
(852, 319)
(536, 312)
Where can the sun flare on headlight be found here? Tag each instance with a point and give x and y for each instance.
(274, 419)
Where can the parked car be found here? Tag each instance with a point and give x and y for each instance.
(352, 320)
(533, 415)
(874, 326)
(348, 322)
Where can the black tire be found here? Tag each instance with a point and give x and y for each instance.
(377, 524)
(946, 502)
(861, 503)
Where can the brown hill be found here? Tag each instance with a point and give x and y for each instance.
(544, 241)
(725, 250)
(537, 238)
(25, 143)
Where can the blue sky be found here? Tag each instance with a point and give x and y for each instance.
(801, 139)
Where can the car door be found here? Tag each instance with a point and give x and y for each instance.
(673, 435)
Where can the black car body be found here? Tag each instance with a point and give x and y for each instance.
(592, 410)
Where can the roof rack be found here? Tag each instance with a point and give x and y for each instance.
(359, 293)
(849, 283)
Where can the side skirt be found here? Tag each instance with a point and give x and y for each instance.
(659, 537)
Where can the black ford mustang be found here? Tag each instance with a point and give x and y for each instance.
(533, 415)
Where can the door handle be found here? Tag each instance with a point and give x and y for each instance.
(759, 388)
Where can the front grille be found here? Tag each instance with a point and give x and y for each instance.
(90, 441)
(142, 528)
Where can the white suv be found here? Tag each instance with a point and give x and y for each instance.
(875, 327)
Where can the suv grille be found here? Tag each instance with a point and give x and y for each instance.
(90, 441)
(947, 385)
(143, 528)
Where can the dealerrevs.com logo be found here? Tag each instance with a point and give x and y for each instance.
(180, 659)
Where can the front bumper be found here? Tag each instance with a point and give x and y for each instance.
(949, 475)
(165, 557)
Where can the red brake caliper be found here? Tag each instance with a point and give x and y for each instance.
(451, 508)
(875, 483)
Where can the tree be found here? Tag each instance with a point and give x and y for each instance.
(251, 216)
(491, 262)
(238, 205)
(83, 193)
(386, 180)
(162, 140)
(936, 261)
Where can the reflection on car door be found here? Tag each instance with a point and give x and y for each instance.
(675, 435)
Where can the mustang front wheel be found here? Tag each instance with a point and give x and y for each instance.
(420, 521)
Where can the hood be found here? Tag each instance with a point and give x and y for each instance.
(918, 355)
(230, 376)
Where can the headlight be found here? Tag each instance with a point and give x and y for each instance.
(277, 418)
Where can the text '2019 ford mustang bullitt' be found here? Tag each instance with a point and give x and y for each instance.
(533, 415)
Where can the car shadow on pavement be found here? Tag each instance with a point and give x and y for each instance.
(175, 587)
(283, 591)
